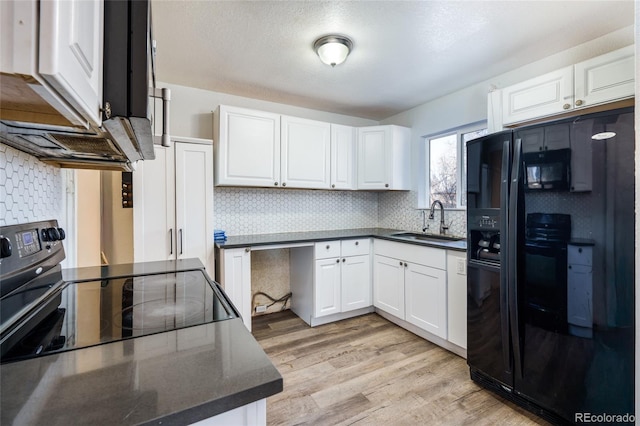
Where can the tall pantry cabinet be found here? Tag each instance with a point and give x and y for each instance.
(173, 203)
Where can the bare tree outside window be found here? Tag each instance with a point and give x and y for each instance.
(443, 169)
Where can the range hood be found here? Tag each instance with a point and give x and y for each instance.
(123, 134)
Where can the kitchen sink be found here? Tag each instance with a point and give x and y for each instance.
(426, 237)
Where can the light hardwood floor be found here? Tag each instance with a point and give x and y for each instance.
(368, 371)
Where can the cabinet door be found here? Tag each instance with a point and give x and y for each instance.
(247, 147)
(581, 156)
(327, 287)
(306, 153)
(388, 285)
(355, 282)
(343, 148)
(154, 210)
(579, 299)
(70, 53)
(457, 298)
(373, 159)
(194, 202)
(235, 278)
(548, 94)
(605, 78)
(426, 298)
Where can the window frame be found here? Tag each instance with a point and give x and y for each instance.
(461, 175)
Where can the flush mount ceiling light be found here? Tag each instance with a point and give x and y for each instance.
(603, 135)
(333, 49)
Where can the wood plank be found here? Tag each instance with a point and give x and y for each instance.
(366, 370)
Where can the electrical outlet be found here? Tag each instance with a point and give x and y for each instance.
(462, 266)
(261, 308)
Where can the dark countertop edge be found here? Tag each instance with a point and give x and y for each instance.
(93, 273)
(219, 406)
(243, 241)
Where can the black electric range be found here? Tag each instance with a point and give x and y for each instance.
(42, 313)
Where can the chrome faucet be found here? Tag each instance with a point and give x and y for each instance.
(443, 227)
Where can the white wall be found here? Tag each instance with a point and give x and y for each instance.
(88, 216)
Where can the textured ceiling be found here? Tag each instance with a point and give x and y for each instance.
(405, 52)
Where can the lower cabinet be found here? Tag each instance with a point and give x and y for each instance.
(410, 283)
(343, 283)
(233, 272)
(426, 298)
(388, 285)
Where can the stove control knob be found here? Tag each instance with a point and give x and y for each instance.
(5, 247)
(53, 234)
(44, 235)
(63, 235)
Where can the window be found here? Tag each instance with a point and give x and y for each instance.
(447, 164)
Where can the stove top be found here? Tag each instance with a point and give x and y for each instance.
(43, 314)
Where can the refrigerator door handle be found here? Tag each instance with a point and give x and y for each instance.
(512, 260)
(504, 249)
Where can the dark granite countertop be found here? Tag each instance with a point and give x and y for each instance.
(171, 378)
(240, 241)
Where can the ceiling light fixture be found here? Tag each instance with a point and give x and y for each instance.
(333, 49)
(603, 135)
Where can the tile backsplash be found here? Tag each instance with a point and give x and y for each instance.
(398, 210)
(30, 190)
(241, 211)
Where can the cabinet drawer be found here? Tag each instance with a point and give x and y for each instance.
(355, 247)
(579, 255)
(327, 249)
(421, 255)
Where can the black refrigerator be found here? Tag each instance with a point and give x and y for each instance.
(550, 278)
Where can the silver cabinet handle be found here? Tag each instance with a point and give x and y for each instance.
(328, 246)
(284, 183)
(333, 186)
(357, 243)
(579, 102)
(344, 260)
(386, 185)
(180, 240)
(171, 241)
(566, 106)
(247, 249)
(275, 183)
(337, 260)
(400, 263)
(406, 264)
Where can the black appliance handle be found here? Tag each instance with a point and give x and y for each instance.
(512, 262)
(504, 247)
(171, 241)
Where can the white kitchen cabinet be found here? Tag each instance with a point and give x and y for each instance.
(52, 57)
(383, 157)
(234, 274)
(605, 78)
(173, 204)
(355, 283)
(342, 279)
(388, 285)
(457, 298)
(305, 153)
(327, 287)
(410, 283)
(599, 80)
(580, 287)
(426, 298)
(343, 157)
(247, 148)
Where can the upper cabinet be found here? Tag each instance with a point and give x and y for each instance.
(599, 80)
(247, 148)
(383, 157)
(343, 157)
(52, 62)
(305, 153)
(261, 149)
